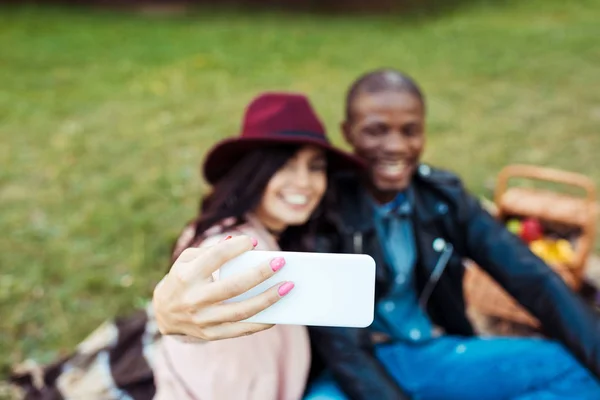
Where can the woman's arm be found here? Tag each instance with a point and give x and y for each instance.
(187, 301)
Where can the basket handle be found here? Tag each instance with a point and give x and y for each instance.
(544, 174)
(562, 177)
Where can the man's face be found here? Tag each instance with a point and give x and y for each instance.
(387, 130)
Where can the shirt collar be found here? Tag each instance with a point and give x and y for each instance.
(401, 205)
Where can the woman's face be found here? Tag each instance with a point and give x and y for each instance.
(294, 192)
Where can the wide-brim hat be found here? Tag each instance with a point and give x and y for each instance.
(271, 119)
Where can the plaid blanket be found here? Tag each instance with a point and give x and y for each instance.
(114, 362)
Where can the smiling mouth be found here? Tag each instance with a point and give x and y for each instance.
(295, 200)
(392, 169)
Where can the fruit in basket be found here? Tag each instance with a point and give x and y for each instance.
(514, 226)
(553, 251)
(542, 249)
(565, 250)
(531, 230)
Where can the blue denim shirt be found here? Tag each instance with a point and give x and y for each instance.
(399, 314)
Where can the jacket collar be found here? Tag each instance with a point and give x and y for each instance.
(427, 202)
(356, 212)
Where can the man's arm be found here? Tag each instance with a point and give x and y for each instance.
(349, 355)
(532, 283)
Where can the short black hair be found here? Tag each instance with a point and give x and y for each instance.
(382, 80)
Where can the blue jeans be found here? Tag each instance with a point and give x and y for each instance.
(453, 368)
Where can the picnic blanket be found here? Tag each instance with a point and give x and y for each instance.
(114, 362)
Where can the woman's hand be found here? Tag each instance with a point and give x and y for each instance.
(189, 302)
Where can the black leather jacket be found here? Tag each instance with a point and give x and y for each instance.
(449, 226)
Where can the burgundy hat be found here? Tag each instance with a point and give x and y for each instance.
(274, 118)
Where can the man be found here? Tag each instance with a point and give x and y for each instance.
(419, 223)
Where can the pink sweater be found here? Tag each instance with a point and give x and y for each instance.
(269, 365)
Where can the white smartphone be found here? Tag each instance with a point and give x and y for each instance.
(335, 290)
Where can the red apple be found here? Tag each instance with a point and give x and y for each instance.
(531, 230)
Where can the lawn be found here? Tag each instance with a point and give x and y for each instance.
(105, 117)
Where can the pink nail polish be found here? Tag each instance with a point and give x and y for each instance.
(277, 263)
(254, 242)
(225, 238)
(285, 288)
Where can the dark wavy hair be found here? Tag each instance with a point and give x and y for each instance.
(241, 189)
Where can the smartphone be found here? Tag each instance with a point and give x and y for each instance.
(336, 290)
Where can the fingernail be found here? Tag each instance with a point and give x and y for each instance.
(254, 242)
(277, 263)
(225, 238)
(285, 288)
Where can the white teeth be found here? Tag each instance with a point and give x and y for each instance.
(392, 168)
(295, 199)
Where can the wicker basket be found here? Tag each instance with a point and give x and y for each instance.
(482, 293)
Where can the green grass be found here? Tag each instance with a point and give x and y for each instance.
(104, 119)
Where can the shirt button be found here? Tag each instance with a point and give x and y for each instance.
(439, 244)
(389, 306)
(415, 334)
(400, 279)
(442, 208)
(424, 169)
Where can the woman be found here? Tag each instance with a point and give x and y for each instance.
(268, 185)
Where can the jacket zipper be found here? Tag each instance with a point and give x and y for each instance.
(440, 266)
(435, 276)
(357, 241)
